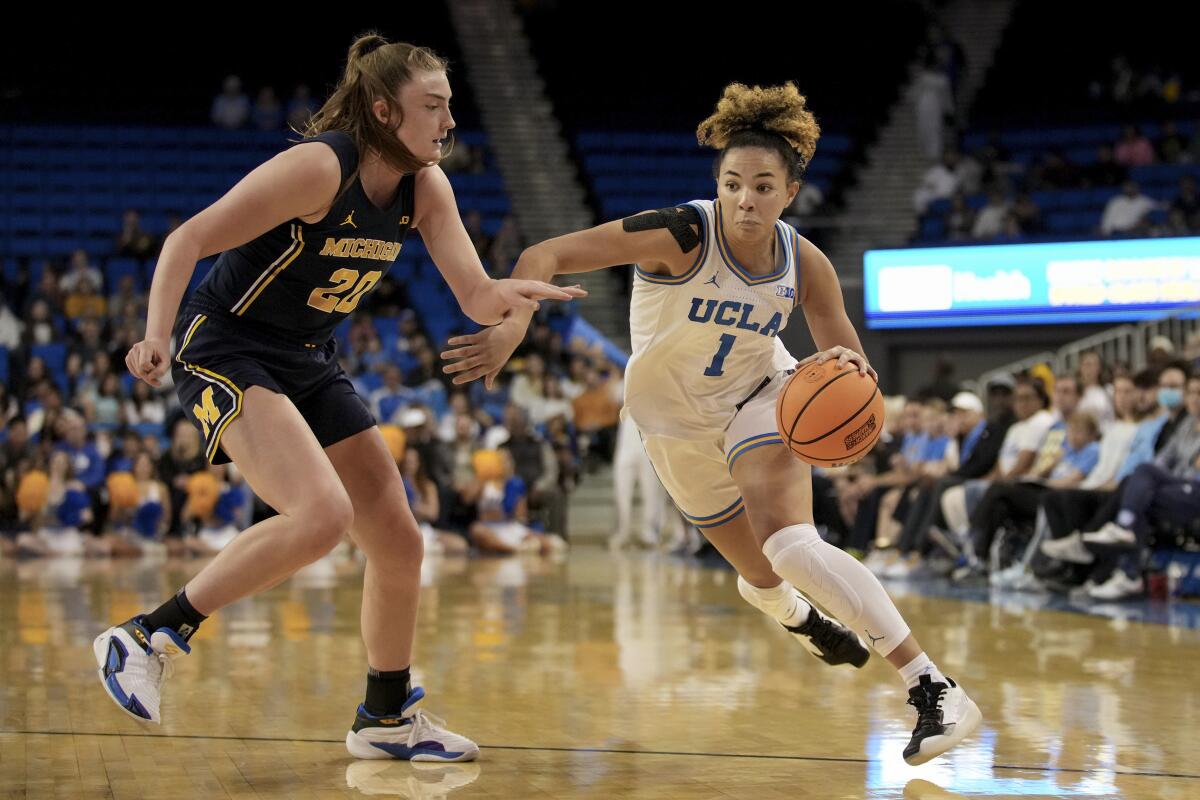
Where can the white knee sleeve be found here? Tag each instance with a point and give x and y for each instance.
(838, 582)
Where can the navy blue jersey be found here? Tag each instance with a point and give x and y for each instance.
(301, 279)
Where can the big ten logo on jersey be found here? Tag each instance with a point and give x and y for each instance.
(786, 291)
(731, 313)
(375, 249)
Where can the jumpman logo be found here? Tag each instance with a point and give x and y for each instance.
(873, 639)
(349, 221)
(713, 281)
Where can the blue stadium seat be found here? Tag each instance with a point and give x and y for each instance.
(54, 354)
(117, 268)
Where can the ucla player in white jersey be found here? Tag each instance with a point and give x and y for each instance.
(715, 282)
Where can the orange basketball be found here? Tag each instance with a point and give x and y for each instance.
(829, 417)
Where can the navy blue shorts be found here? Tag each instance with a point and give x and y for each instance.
(217, 360)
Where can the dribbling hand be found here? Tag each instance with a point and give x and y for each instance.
(844, 356)
(148, 359)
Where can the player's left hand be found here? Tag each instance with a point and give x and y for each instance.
(511, 294)
(844, 356)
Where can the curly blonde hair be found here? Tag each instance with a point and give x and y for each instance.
(762, 116)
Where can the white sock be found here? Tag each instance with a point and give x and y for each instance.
(839, 582)
(781, 602)
(911, 672)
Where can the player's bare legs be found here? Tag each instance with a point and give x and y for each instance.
(777, 489)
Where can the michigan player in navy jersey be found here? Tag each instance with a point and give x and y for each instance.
(303, 238)
(714, 283)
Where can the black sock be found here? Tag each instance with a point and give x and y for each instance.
(386, 691)
(176, 614)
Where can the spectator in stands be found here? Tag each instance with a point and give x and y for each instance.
(597, 413)
(989, 222)
(145, 407)
(939, 182)
(1165, 491)
(808, 201)
(960, 219)
(506, 247)
(90, 347)
(300, 108)
(1133, 149)
(1126, 213)
(1105, 171)
(503, 524)
(133, 241)
(979, 450)
(1018, 455)
(1171, 145)
(1120, 84)
(391, 397)
(12, 329)
(84, 301)
(9, 408)
(126, 303)
(1029, 216)
(231, 108)
(268, 111)
(1093, 384)
(215, 497)
(942, 384)
(935, 103)
(182, 459)
(1187, 202)
(102, 405)
(537, 465)
(80, 269)
(460, 408)
(473, 222)
(529, 388)
(1054, 171)
(1159, 411)
(426, 505)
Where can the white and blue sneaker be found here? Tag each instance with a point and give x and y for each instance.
(411, 735)
(133, 663)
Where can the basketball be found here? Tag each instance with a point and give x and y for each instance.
(829, 417)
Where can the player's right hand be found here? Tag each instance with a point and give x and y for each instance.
(483, 354)
(148, 360)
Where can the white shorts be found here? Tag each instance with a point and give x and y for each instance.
(697, 473)
(512, 534)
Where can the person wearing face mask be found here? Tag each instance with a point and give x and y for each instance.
(1161, 411)
(1166, 490)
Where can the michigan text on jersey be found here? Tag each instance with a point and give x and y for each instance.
(376, 249)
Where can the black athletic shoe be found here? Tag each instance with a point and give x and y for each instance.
(830, 640)
(945, 716)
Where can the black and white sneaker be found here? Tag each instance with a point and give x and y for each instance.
(945, 716)
(830, 640)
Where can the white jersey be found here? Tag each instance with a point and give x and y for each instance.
(704, 340)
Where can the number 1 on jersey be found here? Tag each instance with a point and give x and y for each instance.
(717, 368)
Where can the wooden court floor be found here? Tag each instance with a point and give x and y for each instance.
(639, 676)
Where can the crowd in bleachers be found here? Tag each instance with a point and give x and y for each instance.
(73, 300)
(1111, 149)
(1110, 181)
(1073, 483)
(95, 462)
